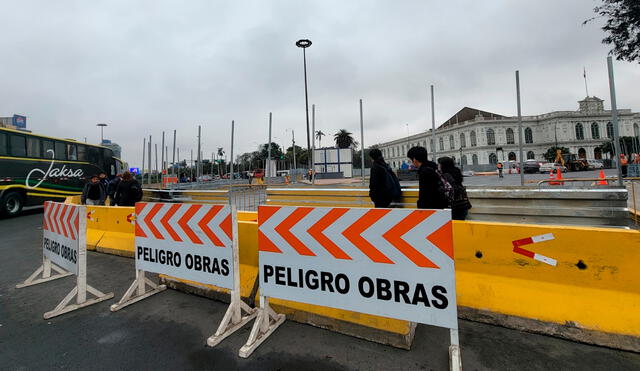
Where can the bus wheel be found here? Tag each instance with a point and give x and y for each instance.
(11, 204)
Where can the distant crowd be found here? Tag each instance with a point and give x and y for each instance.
(122, 190)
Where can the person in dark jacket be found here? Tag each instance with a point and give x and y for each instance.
(453, 175)
(129, 191)
(93, 193)
(111, 189)
(378, 189)
(429, 195)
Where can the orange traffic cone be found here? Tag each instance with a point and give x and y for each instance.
(559, 176)
(552, 179)
(602, 178)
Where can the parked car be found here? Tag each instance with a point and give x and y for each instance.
(595, 164)
(546, 167)
(531, 166)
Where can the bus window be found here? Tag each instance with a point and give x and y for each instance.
(33, 147)
(61, 153)
(72, 152)
(93, 155)
(47, 145)
(18, 146)
(3, 144)
(82, 153)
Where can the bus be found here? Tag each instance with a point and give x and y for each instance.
(36, 168)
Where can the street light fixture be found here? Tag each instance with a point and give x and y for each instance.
(101, 125)
(304, 44)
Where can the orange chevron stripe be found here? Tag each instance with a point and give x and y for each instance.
(443, 239)
(45, 225)
(205, 228)
(284, 229)
(226, 227)
(76, 223)
(265, 212)
(185, 227)
(72, 233)
(56, 227)
(165, 222)
(62, 221)
(353, 234)
(316, 232)
(148, 220)
(139, 207)
(394, 236)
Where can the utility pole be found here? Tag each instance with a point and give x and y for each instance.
(231, 155)
(293, 148)
(156, 146)
(149, 159)
(173, 159)
(519, 128)
(191, 167)
(198, 153)
(162, 156)
(361, 142)
(269, 151)
(144, 149)
(313, 146)
(614, 120)
(433, 128)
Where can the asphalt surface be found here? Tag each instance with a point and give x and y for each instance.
(168, 331)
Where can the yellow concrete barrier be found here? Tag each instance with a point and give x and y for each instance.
(110, 230)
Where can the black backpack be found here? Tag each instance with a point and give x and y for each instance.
(392, 184)
(460, 199)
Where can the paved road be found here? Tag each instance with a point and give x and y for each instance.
(168, 331)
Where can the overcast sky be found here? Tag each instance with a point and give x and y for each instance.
(148, 66)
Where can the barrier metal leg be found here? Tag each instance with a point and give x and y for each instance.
(45, 269)
(80, 292)
(232, 320)
(137, 291)
(455, 359)
(266, 323)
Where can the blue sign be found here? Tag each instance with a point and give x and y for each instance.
(134, 170)
(19, 121)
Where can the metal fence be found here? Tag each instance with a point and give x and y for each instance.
(248, 197)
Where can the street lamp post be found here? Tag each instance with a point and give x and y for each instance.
(304, 44)
(461, 168)
(101, 125)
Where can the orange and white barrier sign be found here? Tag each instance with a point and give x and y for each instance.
(188, 241)
(64, 248)
(396, 263)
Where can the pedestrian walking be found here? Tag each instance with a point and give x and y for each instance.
(460, 205)
(433, 189)
(93, 193)
(384, 186)
(129, 191)
(499, 166)
(103, 180)
(624, 164)
(111, 189)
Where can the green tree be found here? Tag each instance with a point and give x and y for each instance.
(622, 27)
(344, 139)
(302, 156)
(276, 151)
(550, 155)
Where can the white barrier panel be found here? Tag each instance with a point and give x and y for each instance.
(192, 242)
(396, 263)
(64, 250)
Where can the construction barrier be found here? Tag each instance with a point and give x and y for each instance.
(65, 251)
(111, 229)
(388, 262)
(193, 242)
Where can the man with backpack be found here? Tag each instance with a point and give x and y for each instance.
(384, 186)
(434, 191)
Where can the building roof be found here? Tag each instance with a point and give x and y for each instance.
(467, 114)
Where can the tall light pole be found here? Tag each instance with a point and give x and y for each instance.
(304, 44)
(101, 125)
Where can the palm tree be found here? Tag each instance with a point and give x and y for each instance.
(319, 135)
(220, 156)
(344, 139)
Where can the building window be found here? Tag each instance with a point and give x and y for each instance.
(493, 159)
(512, 156)
(510, 137)
(472, 138)
(579, 132)
(441, 144)
(595, 131)
(530, 155)
(636, 130)
(491, 137)
(609, 130)
(528, 135)
(474, 159)
(463, 160)
(582, 153)
(431, 145)
(463, 140)
(451, 142)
